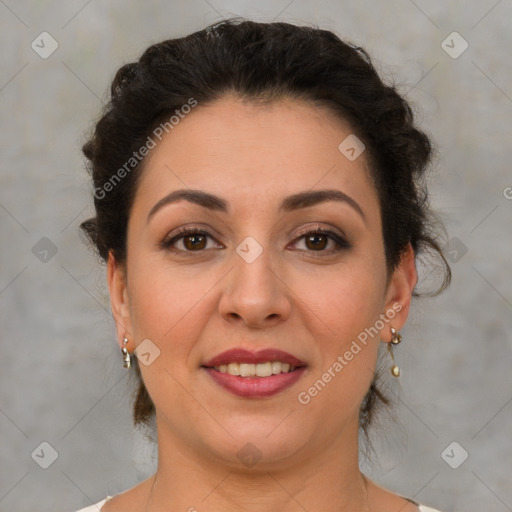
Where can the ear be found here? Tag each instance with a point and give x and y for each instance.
(399, 293)
(119, 302)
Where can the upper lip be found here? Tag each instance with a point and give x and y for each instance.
(241, 355)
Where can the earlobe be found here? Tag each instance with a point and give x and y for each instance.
(399, 293)
(119, 303)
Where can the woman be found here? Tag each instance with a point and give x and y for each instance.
(259, 206)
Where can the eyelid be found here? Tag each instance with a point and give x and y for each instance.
(317, 227)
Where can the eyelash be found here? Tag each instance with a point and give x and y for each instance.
(183, 232)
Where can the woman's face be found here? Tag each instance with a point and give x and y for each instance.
(252, 279)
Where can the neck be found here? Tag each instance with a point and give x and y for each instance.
(329, 480)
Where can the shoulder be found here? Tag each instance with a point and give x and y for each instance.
(97, 506)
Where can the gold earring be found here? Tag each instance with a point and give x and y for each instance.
(395, 340)
(127, 362)
(395, 337)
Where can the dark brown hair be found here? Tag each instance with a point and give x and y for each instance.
(263, 62)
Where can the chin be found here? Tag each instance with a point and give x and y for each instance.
(255, 446)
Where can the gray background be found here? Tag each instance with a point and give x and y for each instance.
(61, 376)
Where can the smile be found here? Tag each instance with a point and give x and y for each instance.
(248, 384)
(250, 374)
(255, 370)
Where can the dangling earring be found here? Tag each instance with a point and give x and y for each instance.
(127, 362)
(395, 340)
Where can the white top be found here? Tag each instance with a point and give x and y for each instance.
(97, 507)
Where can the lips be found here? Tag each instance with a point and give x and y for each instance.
(257, 386)
(240, 355)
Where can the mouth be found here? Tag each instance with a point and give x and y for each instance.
(255, 374)
(245, 370)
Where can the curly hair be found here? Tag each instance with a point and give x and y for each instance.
(263, 62)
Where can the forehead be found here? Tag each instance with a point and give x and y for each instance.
(245, 151)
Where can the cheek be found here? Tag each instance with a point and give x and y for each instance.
(344, 299)
(161, 296)
(169, 307)
(341, 310)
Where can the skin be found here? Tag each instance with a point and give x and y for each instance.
(311, 302)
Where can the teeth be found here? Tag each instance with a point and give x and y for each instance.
(247, 370)
(255, 370)
(233, 369)
(264, 369)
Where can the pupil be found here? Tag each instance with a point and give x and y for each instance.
(314, 239)
(198, 240)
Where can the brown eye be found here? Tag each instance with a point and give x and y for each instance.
(196, 241)
(316, 241)
(191, 239)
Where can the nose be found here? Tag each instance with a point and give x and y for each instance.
(256, 293)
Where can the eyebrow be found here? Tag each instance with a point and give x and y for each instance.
(290, 203)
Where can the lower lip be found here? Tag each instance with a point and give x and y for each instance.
(256, 387)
